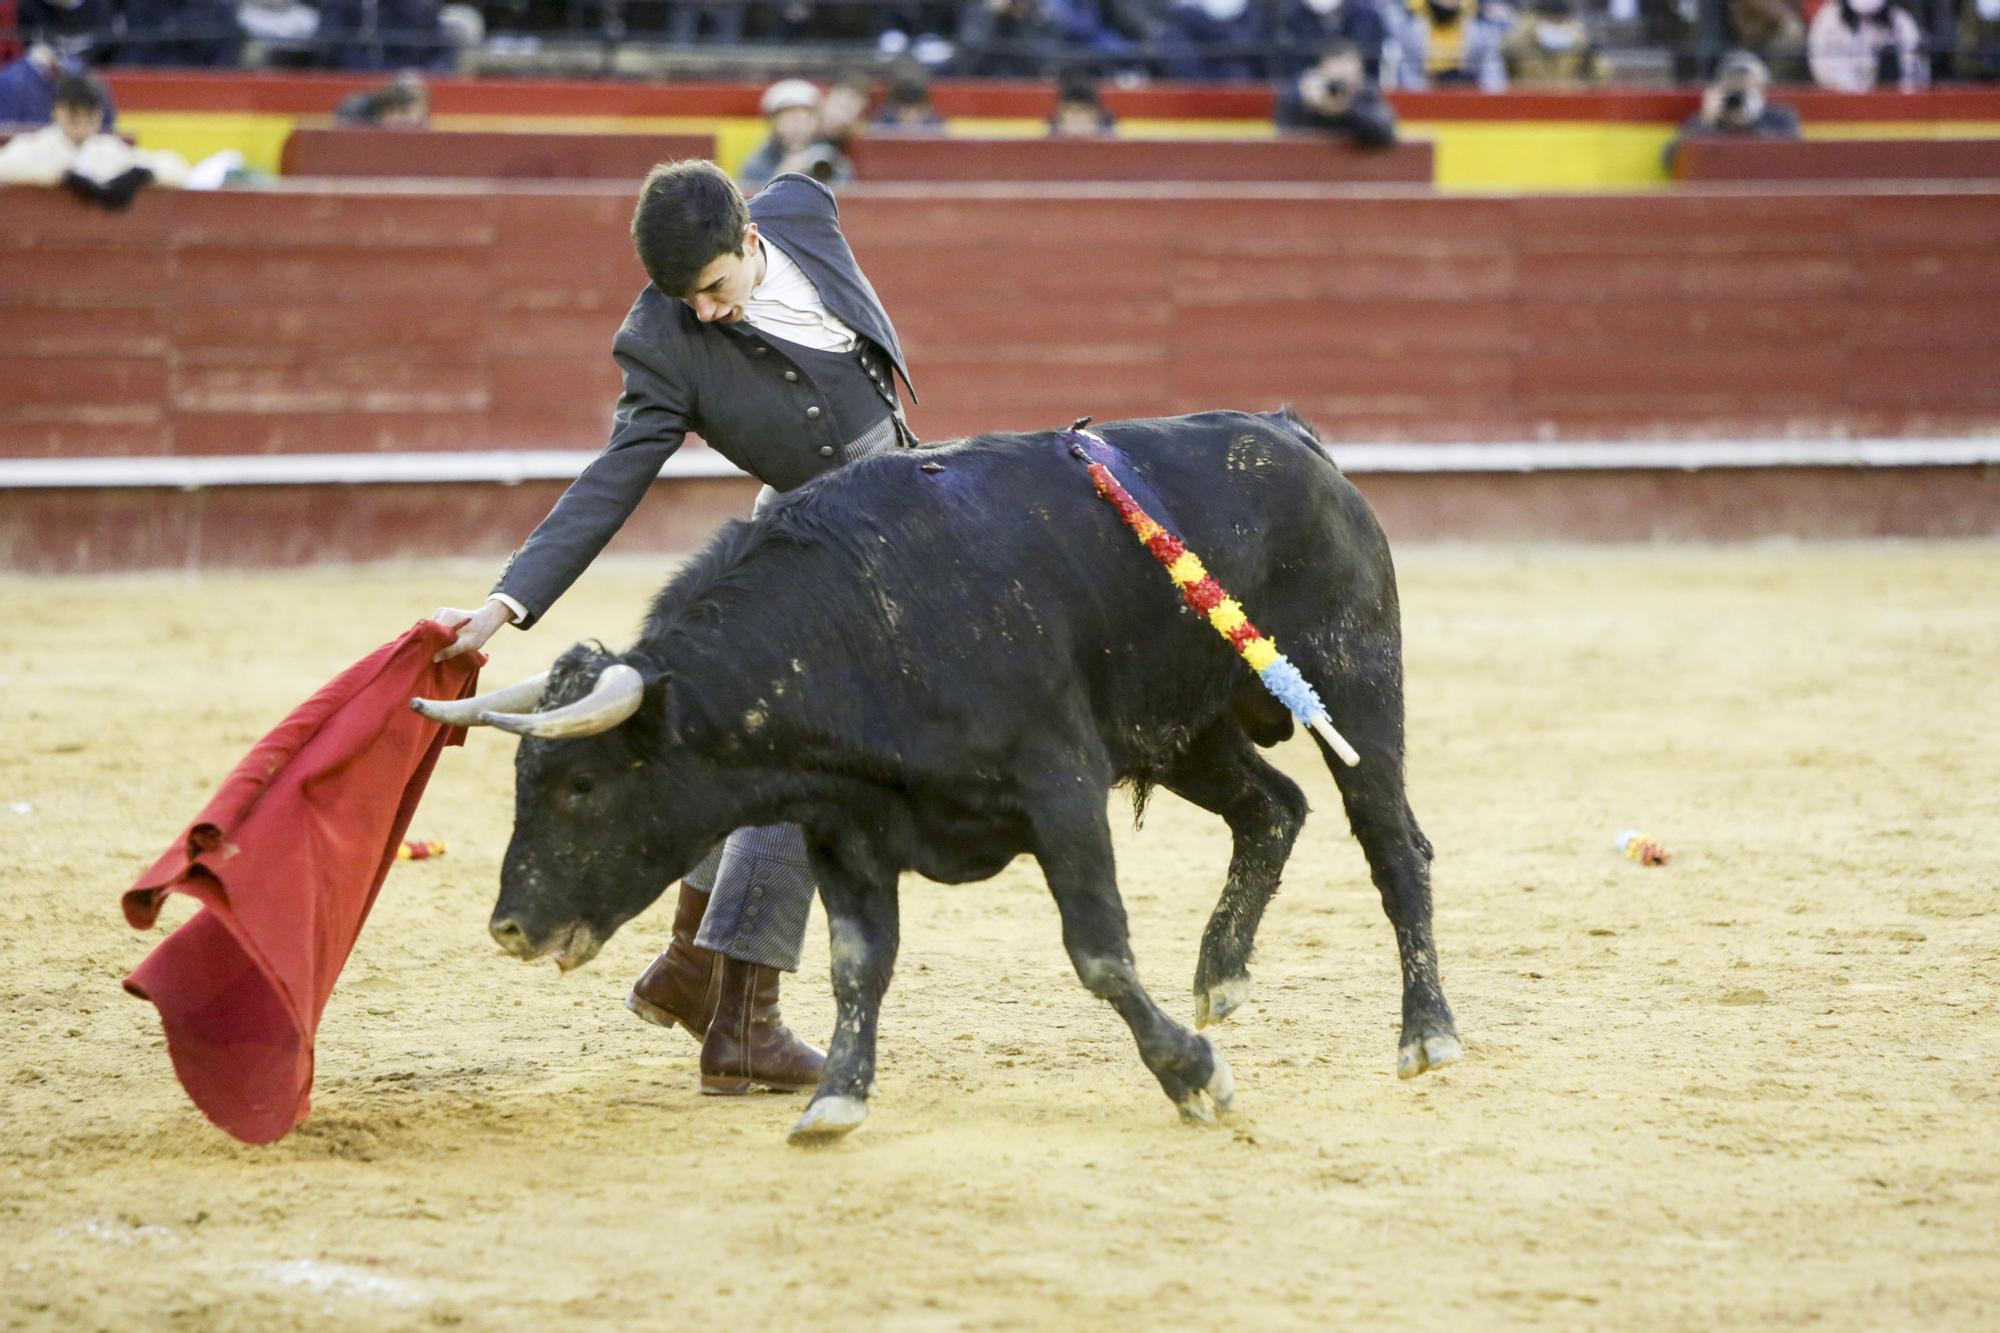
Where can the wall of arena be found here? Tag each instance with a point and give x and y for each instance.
(295, 373)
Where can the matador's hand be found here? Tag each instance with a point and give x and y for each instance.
(474, 627)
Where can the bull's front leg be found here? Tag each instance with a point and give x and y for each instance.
(1073, 844)
(861, 912)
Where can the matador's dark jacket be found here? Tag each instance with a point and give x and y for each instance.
(782, 413)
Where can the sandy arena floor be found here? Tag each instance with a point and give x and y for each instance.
(1757, 1087)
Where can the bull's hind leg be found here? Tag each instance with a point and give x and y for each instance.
(1399, 859)
(1222, 772)
(1073, 844)
(862, 921)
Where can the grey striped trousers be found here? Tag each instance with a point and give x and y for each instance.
(759, 882)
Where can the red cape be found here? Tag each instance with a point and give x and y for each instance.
(286, 860)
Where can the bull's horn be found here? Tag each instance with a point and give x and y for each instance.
(470, 712)
(616, 696)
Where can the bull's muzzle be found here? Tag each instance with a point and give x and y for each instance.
(571, 945)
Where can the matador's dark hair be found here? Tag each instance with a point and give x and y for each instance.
(689, 214)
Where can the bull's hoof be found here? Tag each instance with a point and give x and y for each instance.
(1214, 1003)
(828, 1120)
(1427, 1053)
(1215, 1098)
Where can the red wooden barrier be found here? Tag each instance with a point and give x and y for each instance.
(1019, 161)
(482, 154)
(310, 320)
(1837, 159)
(304, 319)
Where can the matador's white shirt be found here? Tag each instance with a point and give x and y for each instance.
(787, 305)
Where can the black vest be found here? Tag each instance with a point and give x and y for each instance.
(855, 386)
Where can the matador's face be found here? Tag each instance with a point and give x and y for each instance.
(720, 290)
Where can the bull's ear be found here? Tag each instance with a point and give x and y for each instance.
(664, 711)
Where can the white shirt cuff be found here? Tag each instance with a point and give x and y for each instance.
(520, 612)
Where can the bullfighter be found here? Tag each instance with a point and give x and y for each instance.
(758, 331)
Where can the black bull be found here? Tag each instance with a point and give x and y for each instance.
(939, 660)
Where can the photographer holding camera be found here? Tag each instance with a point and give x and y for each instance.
(1734, 105)
(1334, 95)
(792, 107)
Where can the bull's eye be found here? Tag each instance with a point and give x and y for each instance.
(582, 784)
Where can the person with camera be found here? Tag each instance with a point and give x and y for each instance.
(1080, 111)
(1734, 105)
(77, 152)
(1335, 96)
(759, 332)
(792, 108)
(906, 105)
(1550, 46)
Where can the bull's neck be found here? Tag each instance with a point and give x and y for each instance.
(776, 684)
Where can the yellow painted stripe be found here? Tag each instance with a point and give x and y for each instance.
(1472, 155)
(260, 137)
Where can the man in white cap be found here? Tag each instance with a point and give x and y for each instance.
(792, 107)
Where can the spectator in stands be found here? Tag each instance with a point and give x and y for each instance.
(1004, 38)
(1550, 47)
(1115, 30)
(908, 106)
(383, 34)
(1773, 29)
(1451, 42)
(843, 112)
(1216, 39)
(1335, 96)
(1080, 111)
(1855, 46)
(78, 153)
(791, 106)
(1307, 27)
(282, 31)
(71, 26)
(1734, 106)
(180, 32)
(724, 21)
(402, 105)
(913, 30)
(793, 21)
(1977, 53)
(28, 87)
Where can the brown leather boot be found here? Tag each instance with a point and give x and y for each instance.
(748, 1044)
(683, 983)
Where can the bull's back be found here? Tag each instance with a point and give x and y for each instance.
(1037, 583)
(1260, 498)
